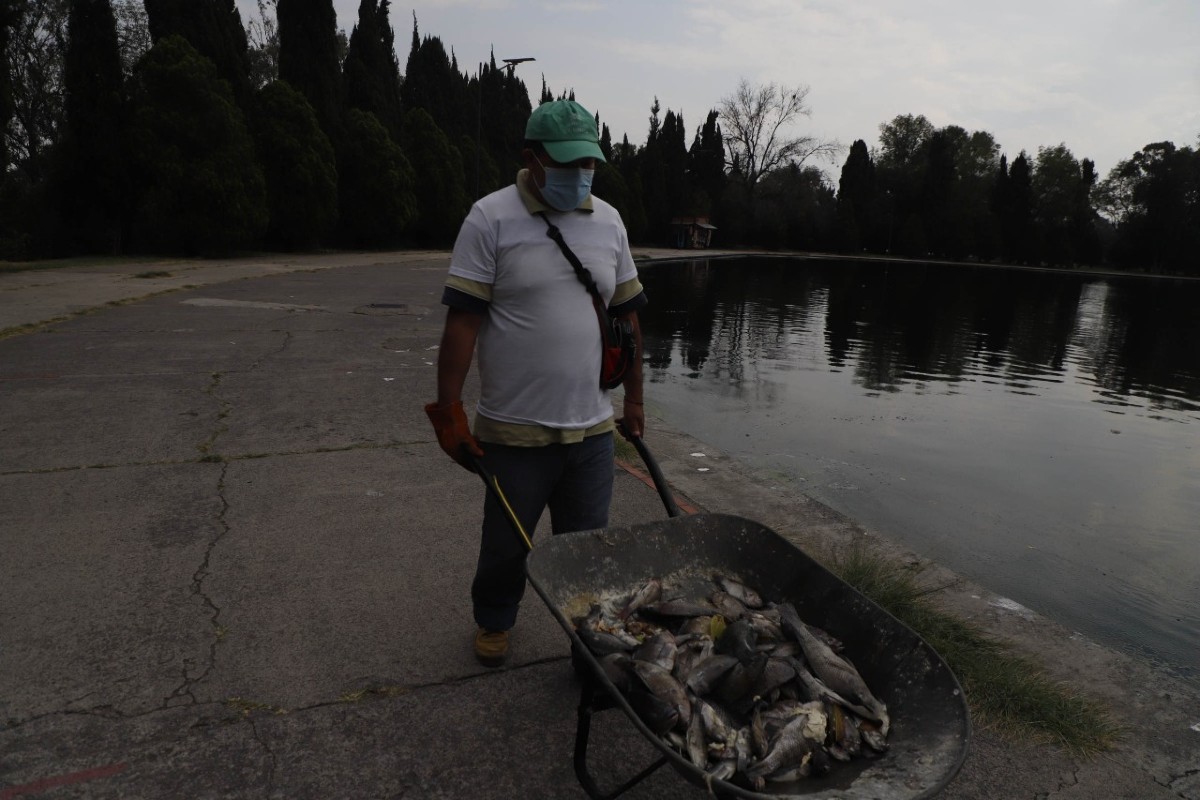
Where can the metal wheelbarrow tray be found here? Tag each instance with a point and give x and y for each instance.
(930, 722)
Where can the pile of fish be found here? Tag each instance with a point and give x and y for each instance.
(740, 687)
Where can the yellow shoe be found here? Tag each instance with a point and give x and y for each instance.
(491, 647)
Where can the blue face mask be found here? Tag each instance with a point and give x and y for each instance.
(566, 187)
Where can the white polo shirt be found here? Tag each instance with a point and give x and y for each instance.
(539, 344)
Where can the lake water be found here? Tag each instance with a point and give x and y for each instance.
(1038, 432)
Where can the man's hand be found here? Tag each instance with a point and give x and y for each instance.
(633, 419)
(453, 431)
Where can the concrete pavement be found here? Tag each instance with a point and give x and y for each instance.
(235, 563)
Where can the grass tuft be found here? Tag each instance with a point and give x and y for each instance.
(1005, 690)
(247, 707)
(624, 450)
(374, 691)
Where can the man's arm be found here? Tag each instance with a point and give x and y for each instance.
(454, 361)
(633, 413)
(455, 354)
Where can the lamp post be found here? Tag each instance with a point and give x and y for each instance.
(510, 64)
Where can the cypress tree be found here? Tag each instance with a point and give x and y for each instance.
(308, 57)
(202, 191)
(856, 198)
(8, 17)
(299, 168)
(675, 155)
(432, 82)
(653, 170)
(706, 160)
(936, 197)
(92, 175)
(438, 170)
(376, 204)
(1017, 219)
(1085, 238)
(214, 28)
(504, 132)
(371, 72)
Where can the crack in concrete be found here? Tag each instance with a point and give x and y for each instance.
(184, 692)
(238, 710)
(1177, 780)
(272, 763)
(103, 712)
(223, 458)
(287, 342)
(223, 409)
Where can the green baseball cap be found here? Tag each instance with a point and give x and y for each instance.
(566, 129)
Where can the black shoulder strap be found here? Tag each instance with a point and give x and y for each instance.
(581, 272)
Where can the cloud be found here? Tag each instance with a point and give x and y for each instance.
(1104, 76)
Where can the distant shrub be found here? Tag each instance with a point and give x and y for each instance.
(199, 187)
(376, 204)
(299, 166)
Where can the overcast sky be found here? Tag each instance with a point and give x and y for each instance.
(1105, 77)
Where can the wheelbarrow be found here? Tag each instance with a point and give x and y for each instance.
(930, 723)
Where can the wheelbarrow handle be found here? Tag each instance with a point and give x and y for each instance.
(660, 483)
(493, 485)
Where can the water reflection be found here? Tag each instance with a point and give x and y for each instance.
(902, 325)
(1032, 430)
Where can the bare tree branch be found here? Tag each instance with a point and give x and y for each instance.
(757, 119)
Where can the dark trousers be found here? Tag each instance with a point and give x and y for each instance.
(574, 481)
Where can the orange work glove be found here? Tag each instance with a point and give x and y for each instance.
(453, 431)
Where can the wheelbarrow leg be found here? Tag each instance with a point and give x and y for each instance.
(587, 707)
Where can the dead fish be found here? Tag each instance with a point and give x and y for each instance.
(873, 737)
(707, 673)
(816, 762)
(734, 690)
(659, 649)
(718, 727)
(833, 670)
(743, 593)
(768, 629)
(844, 739)
(596, 621)
(601, 644)
(699, 626)
(697, 748)
(758, 734)
(821, 764)
(659, 715)
(639, 629)
(775, 674)
(815, 689)
(793, 774)
(618, 668)
(688, 655)
(744, 749)
(788, 750)
(650, 592)
(834, 643)
(739, 640)
(786, 650)
(727, 605)
(662, 684)
(677, 608)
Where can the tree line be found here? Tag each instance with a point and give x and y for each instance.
(171, 126)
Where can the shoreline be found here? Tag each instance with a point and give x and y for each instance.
(661, 255)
